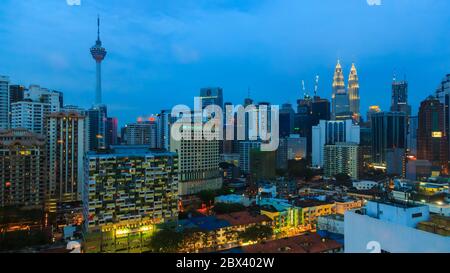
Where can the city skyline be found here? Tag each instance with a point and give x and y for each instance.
(164, 44)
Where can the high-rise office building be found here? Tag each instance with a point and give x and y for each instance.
(443, 94)
(66, 149)
(245, 147)
(342, 107)
(431, 135)
(128, 190)
(339, 88)
(293, 147)
(389, 131)
(353, 93)
(111, 131)
(4, 103)
(304, 119)
(342, 157)
(399, 101)
(287, 115)
(329, 132)
(96, 127)
(164, 122)
(365, 144)
(199, 163)
(413, 126)
(372, 110)
(211, 96)
(263, 164)
(320, 110)
(23, 172)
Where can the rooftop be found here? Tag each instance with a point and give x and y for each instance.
(243, 218)
(310, 203)
(135, 150)
(208, 223)
(308, 243)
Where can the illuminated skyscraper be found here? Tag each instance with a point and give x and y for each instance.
(353, 93)
(98, 53)
(338, 90)
(66, 149)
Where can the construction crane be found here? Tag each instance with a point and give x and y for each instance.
(305, 93)
(316, 86)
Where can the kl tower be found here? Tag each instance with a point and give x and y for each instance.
(98, 53)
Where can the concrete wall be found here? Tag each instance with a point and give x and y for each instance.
(361, 230)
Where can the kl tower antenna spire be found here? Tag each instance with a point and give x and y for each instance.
(98, 53)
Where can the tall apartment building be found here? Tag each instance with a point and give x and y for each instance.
(22, 168)
(199, 163)
(343, 157)
(44, 95)
(30, 115)
(66, 149)
(16, 93)
(329, 132)
(4, 103)
(31, 112)
(127, 191)
(141, 133)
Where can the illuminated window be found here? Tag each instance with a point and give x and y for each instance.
(436, 134)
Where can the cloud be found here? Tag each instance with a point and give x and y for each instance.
(73, 2)
(185, 55)
(374, 2)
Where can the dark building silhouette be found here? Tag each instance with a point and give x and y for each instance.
(431, 135)
(389, 132)
(399, 101)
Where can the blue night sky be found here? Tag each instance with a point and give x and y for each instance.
(160, 53)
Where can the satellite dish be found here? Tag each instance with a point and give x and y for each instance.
(74, 246)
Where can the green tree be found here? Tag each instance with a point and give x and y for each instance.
(299, 169)
(342, 179)
(166, 241)
(256, 233)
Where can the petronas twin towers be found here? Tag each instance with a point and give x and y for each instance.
(345, 102)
